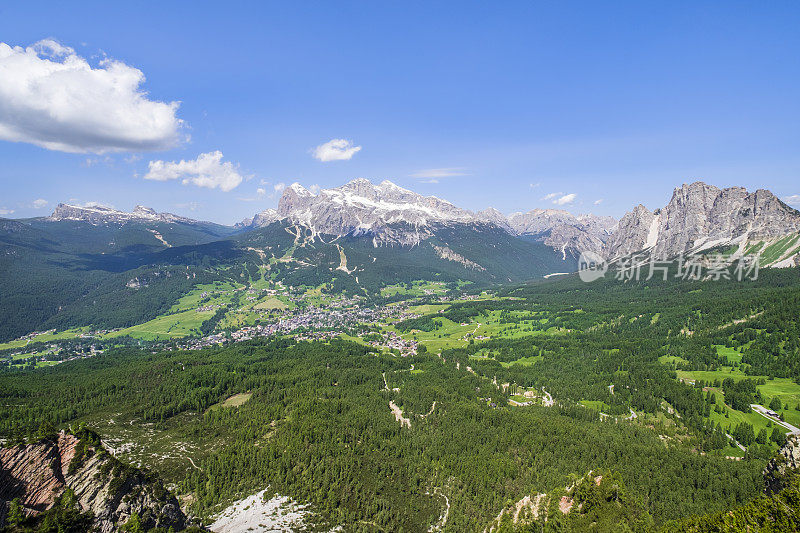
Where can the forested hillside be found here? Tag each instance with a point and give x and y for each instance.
(318, 427)
(65, 274)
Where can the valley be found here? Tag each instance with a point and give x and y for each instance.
(320, 376)
(392, 267)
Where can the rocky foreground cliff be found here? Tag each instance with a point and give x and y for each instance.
(107, 492)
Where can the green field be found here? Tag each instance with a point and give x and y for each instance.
(45, 337)
(234, 401)
(457, 335)
(600, 407)
(783, 388)
(417, 288)
(733, 355)
(270, 303)
(166, 327)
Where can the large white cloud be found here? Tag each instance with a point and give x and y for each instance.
(207, 170)
(52, 97)
(335, 150)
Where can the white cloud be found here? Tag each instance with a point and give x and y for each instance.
(4, 211)
(191, 206)
(566, 199)
(207, 170)
(551, 195)
(314, 189)
(93, 161)
(260, 193)
(535, 185)
(40, 203)
(598, 201)
(53, 98)
(793, 199)
(335, 150)
(435, 174)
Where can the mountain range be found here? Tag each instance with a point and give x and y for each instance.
(97, 265)
(392, 215)
(698, 217)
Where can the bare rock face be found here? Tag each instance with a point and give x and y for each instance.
(562, 230)
(493, 216)
(39, 473)
(632, 234)
(700, 216)
(783, 465)
(389, 213)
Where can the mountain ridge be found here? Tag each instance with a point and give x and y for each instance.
(700, 217)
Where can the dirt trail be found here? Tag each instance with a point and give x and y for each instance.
(398, 415)
(439, 525)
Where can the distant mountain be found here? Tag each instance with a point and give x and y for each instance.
(564, 231)
(264, 218)
(99, 214)
(701, 217)
(478, 252)
(390, 214)
(108, 268)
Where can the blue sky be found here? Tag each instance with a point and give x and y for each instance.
(517, 104)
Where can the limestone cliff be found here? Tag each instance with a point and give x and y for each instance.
(37, 474)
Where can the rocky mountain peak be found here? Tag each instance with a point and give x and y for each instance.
(362, 207)
(144, 211)
(393, 214)
(700, 216)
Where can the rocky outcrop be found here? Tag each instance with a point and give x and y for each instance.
(449, 255)
(699, 217)
(632, 234)
(783, 466)
(37, 474)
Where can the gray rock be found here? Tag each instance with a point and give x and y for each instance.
(700, 216)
